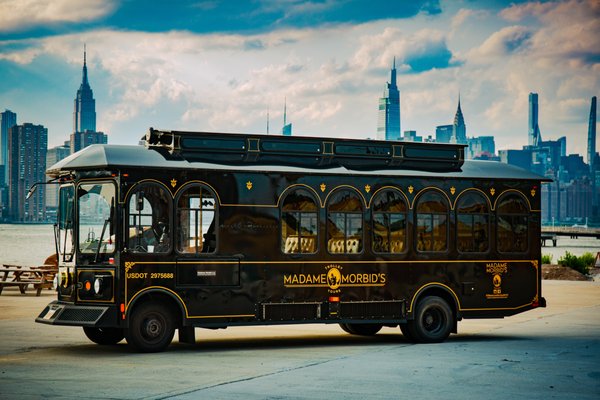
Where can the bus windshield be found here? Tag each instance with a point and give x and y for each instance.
(96, 205)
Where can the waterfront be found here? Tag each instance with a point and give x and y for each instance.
(25, 244)
(31, 244)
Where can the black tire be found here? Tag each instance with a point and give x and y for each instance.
(104, 336)
(406, 333)
(151, 327)
(363, 329)
(345, 328)
(433, 320)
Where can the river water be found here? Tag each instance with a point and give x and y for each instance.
(30, 245)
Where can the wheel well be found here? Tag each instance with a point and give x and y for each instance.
(444, 294)
(163, 298)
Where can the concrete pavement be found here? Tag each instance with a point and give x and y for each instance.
(545, 353)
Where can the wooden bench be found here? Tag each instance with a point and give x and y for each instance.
(41, 277)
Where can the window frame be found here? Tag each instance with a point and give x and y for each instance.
(527, 214)
(406, 221)
(316, 203)
(489, 215)
(431, 214)
(130, 195)
(215, 221)
(78, 208)
(362, 213)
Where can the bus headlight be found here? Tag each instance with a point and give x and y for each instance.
(97, 285)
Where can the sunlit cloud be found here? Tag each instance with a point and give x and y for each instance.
(16, 15)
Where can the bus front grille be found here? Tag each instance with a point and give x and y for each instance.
(390, 309)
(291, 311)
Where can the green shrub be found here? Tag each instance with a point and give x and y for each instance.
(546, 258)
(581, 264)
(588, 259)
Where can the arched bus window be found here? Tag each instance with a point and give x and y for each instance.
(472, 223)
(299, 224)
(389, 222)
(432, 222)
(513, 222)
(345, 222)
(149, 219)
(196, 220)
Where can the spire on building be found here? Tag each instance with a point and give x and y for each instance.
(84, 114)
(388, 123)
(591, 147)
(287, 128)
(534, 134)
(267, 120)
(459, 129)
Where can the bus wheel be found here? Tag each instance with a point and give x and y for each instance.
(151, 327)
(345, 328)
(433, 320)
(363, 329)
(104, 336)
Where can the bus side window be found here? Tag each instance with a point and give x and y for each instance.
(149, 219)
(389, 222)
(432, 222)
(513, 222)
(196, 220)
(472, 223)
(299, 225)
(345, 223)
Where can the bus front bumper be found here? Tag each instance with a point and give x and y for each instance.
(60, 313)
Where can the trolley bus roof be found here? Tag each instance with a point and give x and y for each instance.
(104, 157)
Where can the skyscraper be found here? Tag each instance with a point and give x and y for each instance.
(53, 156)
(388, 123)
(84, 113)
(591, 147)
(459, 129)
(443, 133)
(534, 134)
(287, 128)
(84, 116)
(27, 146)
(7, 120)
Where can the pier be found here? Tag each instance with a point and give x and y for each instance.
(574, 232)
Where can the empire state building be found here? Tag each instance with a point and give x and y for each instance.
(84, 115)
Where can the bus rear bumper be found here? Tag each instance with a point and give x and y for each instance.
(60, 313)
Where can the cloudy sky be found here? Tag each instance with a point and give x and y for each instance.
(220, 65)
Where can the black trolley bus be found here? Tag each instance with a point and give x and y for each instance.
(212, 230)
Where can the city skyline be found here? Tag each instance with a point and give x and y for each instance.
(221, 72)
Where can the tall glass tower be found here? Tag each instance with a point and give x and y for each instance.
(84, 114)
(592, 136)
(534, 135)
(7, 120)
(388, 123)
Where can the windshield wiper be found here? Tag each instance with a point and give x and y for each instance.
(106, 222)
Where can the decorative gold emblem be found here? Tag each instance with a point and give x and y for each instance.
(129, 265)
(334, 278)
(492, 191)
(173, 182)
(367, 188)
(249, 185)
(452, 190)
(323, 187)
(411, 189)
(532, 192)
(496, 269)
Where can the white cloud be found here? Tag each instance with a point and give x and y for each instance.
(333, 76)
(16, 15)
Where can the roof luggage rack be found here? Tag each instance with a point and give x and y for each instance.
(308, 152)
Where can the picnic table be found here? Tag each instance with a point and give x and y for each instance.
(41, 277)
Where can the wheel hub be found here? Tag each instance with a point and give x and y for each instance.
(152, 328)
